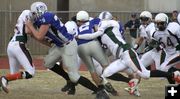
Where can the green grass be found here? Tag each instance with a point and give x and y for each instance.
(47, 85)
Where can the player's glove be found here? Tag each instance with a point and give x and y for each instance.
(136, 46)
(155, 44)
(178, 47)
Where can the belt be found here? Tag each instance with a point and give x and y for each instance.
(21, 39)
(62, 45)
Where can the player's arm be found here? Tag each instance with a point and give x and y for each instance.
(142, 36)
(90, 36)
(138, 42)
(38, 34)
(28, 31)
(43, 41)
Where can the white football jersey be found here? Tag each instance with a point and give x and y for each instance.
(147, 31)
(174, 28)
(167, 41)
(112, 35)
(20, 25)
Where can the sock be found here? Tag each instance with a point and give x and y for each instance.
(60, 71)
(158, 73)
(119, 77)
(14, 76)
(87, 83)
(100, 87)
(173, 69)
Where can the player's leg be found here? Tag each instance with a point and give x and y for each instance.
(170, 61)
(86, 52)
(72, 69)
(132, 60)
(58, 68)
(115, 77)
(13, 48)
(102, 58)
(14, 68)
(25, 60)
(54, 56)
(117, 66)
(22, 58)
(70, 60)
(132, 82)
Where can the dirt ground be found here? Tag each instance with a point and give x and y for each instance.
(47, 85)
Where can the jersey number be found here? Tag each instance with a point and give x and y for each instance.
(84, 27)
(169, 42)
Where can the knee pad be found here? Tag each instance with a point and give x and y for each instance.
(48, 64)
(26, 75)
(74, 77)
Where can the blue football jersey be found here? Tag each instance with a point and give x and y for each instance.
(57, 32)
(86, 28)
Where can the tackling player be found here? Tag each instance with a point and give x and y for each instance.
(63, 44)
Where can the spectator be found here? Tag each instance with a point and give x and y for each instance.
(133, 24)
(174, 16)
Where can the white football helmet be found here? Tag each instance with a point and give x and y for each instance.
(105, 15)
(161, 17)
(38, 8)
(178, 18)
(161, 21)
(146, 14)
(82, 16)
(71, 27)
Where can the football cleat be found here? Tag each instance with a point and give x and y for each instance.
(66, 87)
(177, 77)
(4, 83)
(71, 91)
(109, 88)
(133, 83)
(102, 94)
(136, 92)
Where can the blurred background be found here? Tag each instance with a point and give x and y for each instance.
(65, 9)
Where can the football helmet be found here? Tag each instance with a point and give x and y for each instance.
(71, 27)
(38, 8)
(161, 17)
(178, 18)
(105, 15)
(161, 21)
(82, 16)
(146, 15)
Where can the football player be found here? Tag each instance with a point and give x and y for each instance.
(63, 43)
(128, 58)
(18, 54)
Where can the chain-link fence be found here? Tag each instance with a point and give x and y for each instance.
(8, 21)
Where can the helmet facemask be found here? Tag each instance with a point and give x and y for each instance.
(161, 21)
(145, 20)
(161, 25)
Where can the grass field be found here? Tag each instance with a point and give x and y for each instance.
(47, 85)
